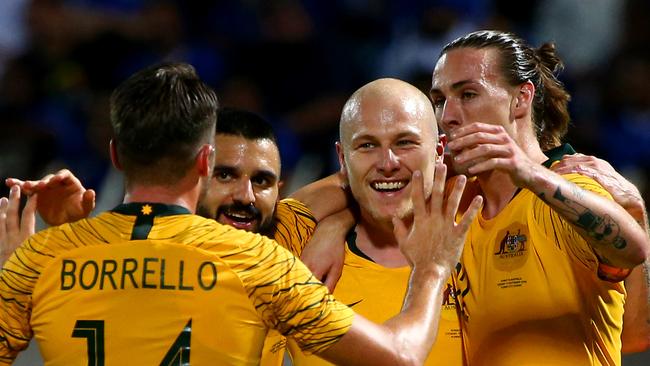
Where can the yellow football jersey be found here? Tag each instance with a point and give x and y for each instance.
(372, 290)
(530, 292)
(150, 284)
(294, 226)
(377, 292)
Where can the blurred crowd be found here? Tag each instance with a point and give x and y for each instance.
(295, 62)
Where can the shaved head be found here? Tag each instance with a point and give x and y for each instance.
(388, 130)
(388, 97)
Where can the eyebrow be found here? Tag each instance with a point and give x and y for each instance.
(233, 170)
(455, 86)
(399, 136)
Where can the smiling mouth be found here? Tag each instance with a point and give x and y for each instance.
(240, 217)
(392, 186)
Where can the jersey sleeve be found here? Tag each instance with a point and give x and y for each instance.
(288, 297)
(566, 236)
(17, 280)
(295, 225)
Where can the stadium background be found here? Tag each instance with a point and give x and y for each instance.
(295, 62)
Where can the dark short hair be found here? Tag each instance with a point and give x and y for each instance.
(519, 63)
(243, 123)
(161, 115)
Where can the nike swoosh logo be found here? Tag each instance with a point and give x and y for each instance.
(354, 303)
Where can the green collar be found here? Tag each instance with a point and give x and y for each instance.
(145, 213)
(150, 209)
(557, 153)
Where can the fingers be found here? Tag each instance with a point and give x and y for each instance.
(474, 128)
(88, 201)
(13, 217)
(28, 217)
(438, 189)
(477, 153)
(488, 165)
(333, 276)
(417, 194)
(10, 182)
(4, 204)
(470, 214)
(453, 200)
(478, 138)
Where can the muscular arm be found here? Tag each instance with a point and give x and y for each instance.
(325, 250)
(636, 318)
(328, 201)
(325, 196)
(611, 232)
(404, 339)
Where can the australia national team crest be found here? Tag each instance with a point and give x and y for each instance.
(511, 248)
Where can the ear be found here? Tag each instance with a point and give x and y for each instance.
(523, 100)
(114, 157)
(205, 160)
(440, 147)
(339, 152)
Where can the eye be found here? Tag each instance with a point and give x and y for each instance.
(438, 102)
(223, 175)
(261, 181)
(468, 95)
(365, 145)
(405, 143)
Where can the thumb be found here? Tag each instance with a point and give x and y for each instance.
(333, 276)
(88, 201)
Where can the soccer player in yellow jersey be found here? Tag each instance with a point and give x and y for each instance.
(540, 276)
(244, 189)
(150, 283)
(387, 131)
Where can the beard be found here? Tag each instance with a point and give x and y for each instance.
(265, 226)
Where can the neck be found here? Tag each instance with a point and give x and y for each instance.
(179, 194)
(497, 189)
(378, 242)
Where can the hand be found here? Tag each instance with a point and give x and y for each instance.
(14, 229)
(623, 191)
(324, 258)
(325, 252)
(62, 198)
(478, 148)
(431, 236)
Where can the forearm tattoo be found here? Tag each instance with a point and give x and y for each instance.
(601, 228)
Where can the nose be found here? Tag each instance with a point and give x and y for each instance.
(244, 192)
(389, 161)
(450, 116)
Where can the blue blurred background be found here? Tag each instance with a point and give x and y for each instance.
(295, 62)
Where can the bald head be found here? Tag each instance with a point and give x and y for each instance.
(385, 99)
(388, 131)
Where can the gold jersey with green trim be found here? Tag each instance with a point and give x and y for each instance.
(377, 293)
(294, 226)
(530, 292)
(152, 284)
(372, 290)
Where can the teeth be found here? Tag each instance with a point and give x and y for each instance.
(238, 215)
(388, 185)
